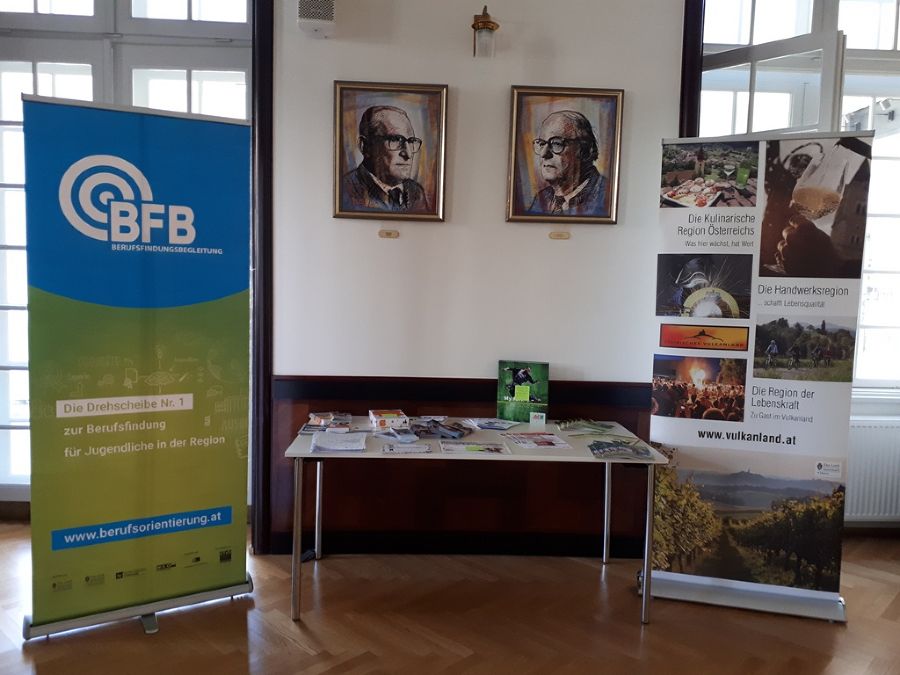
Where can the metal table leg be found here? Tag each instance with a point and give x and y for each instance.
(297, 551)
(607, 502)
(320, 470)
(648, 550)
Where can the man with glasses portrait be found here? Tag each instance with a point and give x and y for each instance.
(567, 150)
(382, 181)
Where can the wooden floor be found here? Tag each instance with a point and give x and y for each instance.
(465, 614)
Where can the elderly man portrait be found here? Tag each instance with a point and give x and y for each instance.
(566, 148)
(382, 181)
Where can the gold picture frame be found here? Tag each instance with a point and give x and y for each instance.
(389, 150)
(573, 174)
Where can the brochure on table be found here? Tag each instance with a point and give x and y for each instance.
(522, 388)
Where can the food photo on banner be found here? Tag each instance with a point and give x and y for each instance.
(711, 174)
(138, 258)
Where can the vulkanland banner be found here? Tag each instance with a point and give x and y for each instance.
(757, 298)
(138, 275)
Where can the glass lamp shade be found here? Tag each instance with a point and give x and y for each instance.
(484, 43)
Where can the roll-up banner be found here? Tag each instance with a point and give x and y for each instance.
(757, 296)
(138, 302)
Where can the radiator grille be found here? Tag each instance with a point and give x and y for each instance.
(873, 472)
(317, 10)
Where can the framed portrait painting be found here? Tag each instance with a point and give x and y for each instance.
(564, 154)
(389, 150)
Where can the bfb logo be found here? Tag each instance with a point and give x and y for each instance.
(108, 198)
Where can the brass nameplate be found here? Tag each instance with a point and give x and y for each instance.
(388, 234)
(560, 235)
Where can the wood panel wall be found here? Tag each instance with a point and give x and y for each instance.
(453, 507)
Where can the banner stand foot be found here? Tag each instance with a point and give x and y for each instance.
(746, 595)
(147, 612)
(150, 624)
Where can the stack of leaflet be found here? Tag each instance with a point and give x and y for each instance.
(396, 435)
(322, 441)
(439, 428)
(490, 423)
(334, 422)
(453, 430)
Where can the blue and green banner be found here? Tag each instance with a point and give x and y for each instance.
(139, 343)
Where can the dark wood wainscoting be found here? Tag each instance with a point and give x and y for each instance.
(461, 507)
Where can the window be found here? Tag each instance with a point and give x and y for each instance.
(68, 7)
(207, 92)
(195, 71)
(870, 100)
(230, 11)
(743, 22)
(869, 24)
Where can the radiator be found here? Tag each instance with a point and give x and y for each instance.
(873, 471)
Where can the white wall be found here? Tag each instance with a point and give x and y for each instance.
(450, 299)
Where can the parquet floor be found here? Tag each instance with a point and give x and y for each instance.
(465, 614)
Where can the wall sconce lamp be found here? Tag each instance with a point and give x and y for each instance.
(483, 36)
(886, 108)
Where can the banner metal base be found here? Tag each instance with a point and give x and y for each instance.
(146, 613)
(746, 595)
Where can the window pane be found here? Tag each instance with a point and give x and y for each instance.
(66, 80)
(882, 245)
(729, 80)
(160, 89)
(15, 80)
(12, 155)
(771, 110)
(780, 19)
(886, 122)
(17, 6)
(71, 7)
(788, 91)
(13, 397)
(856, 113)
(159, 9)
(233, 11)
(716, 113)
(15, 456)
(13, 278)
(12, 216)
(727, 21)
(880, 299)
(883, 186)
(868, 24)
(876, 354)
(14, 337)
(221, 93)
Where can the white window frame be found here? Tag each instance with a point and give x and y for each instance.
(187, 28)
(114, 44)
(830, 44)
(131, 57)
(102, 21)
(869, 398)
